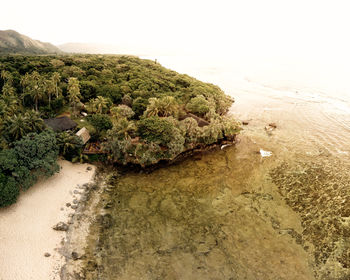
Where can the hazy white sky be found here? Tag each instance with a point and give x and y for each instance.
(259, 31)
(258, 27)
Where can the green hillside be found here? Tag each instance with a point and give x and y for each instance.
(12, 42)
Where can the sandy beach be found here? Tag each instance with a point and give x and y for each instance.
(26, 232)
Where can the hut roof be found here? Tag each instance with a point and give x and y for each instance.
(60, 124)
(201, 122)
(83, 134)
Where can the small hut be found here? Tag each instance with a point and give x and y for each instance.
(84, 135)
(60, 124)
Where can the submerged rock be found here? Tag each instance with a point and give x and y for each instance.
(106, 221)
(108, 205)
(75, 256)
(61, 226)
(270, 127)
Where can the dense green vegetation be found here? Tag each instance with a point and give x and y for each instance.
(141, 112)
(28, 159)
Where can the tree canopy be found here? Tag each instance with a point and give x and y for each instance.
(32, 157)
(139, 111)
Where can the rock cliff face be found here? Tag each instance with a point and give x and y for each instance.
(12, 42)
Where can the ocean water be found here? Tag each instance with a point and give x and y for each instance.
(231, 213)
(311, 101)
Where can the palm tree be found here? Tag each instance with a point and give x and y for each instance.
(34, 122)
(15, 127)
(8, 105)
(124, 127)
(3, 109)
(18, 125)
(55, 79)
(100, 104)
(37, 89)
(74, 92)
(50, 89)
(169, 106)
(25, 81)
(33, 85)
(8, 90)
(163, 107)
(152, 108)
(7, 77)
(68, 142)
(81, 158)
(25, 85)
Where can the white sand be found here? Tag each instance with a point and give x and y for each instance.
(26, 232)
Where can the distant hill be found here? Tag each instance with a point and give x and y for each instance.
(89, 48)
(12, 42)
(98, 48)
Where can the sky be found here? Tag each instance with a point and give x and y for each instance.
(243, 31)
(259, 27)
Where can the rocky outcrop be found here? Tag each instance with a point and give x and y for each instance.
(61, 226)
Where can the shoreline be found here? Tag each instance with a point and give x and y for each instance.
(28, 234)
(31, 236)
(76, 242)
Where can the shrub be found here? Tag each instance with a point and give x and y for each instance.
(223, 104)
(198, 105)
(122, 111)
(123, 128)
(32, 157)
(117, 147)
(100, 122)
(9, 190)
(88, 90)
(163, 132)
(127, 99)
(230, 127)
(156, 129)
(147, 154)
(113, 92)
(139, 106)
(190, 130)
(212, 132)
(36, 150)
(69, 144)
